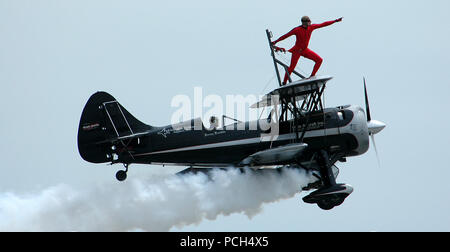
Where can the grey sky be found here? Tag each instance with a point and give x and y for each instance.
(55, 54)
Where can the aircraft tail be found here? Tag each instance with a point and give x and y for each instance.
(103, 122)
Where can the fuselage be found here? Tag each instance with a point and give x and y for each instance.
(342, 129)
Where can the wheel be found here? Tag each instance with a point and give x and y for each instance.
(327, 204)
(324, 205)
(121, 175)
(330, 203)
(340, 201)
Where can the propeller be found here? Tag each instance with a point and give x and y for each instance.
(373, 126)
(376, 151)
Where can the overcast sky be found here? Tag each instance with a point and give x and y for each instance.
(55, 54)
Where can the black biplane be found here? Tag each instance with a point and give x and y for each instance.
(302, 134)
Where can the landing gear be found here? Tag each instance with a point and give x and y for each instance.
(324, 205)
(329, 197)
(328, 204)
(122, 175)
(331, 194)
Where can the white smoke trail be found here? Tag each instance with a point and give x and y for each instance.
(153, 204)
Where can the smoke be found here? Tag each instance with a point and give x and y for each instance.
(150, 204)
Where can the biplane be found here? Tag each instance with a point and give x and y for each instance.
(302, 135)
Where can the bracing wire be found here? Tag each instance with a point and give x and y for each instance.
(265, 87)
(267, 84)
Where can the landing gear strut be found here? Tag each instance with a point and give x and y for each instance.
(122, 175)
(331, 194)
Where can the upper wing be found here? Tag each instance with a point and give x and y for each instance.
(298, 89)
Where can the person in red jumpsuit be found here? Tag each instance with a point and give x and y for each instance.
(303, 35)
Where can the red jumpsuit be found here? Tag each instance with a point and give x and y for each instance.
(300, 48)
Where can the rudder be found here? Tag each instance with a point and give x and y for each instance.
(102, 122)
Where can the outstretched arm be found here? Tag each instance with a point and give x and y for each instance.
(317, 26)
(285, 36)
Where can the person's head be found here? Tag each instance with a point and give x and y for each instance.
(306, 21)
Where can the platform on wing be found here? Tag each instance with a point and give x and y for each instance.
(298, 89)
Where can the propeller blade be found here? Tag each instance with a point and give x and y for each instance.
(376, 151)
(373, 126)
(367, 101)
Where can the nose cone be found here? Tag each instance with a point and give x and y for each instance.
(375, 126)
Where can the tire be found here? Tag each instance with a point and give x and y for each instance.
(121, 175)
(326, 205)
